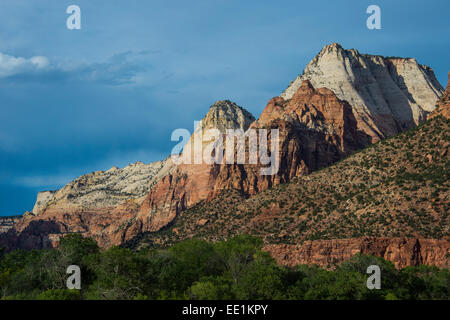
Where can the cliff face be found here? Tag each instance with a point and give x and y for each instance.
(443, 104)
(191, 182)
(98, 205)
(315, 129)
(402, 252)
(7, 223)
(102, 189)
(387, 95)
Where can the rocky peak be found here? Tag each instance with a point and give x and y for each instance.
(387, 95)
(222, 115)
(225, 114)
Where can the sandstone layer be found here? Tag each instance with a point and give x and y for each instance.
(402, 252)
(7, 223)
(102, 189)
(97, 205)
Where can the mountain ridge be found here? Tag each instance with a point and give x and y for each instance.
(388, 95)
(317, 128)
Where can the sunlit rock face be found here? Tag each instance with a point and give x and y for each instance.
(387, 95)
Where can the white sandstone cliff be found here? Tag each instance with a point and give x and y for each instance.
(387, 95)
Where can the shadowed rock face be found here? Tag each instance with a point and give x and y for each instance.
(443, 105)
(387, 95)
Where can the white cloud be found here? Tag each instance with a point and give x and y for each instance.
(10, 65)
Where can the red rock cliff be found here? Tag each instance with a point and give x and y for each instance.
(402, 252)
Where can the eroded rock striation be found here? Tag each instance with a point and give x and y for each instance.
(101, 189)
(402, 252)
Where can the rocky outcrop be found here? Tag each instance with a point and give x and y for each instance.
(387, 95)
(43, 199)
(102, 189)
(226, 114)
(443, 105)
(190, 182)
(402, 252)
(105, 225)
(7, 223)
(99, 205)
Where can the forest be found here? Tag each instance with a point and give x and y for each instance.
(199, 270)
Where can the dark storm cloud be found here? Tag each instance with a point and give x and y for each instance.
(75, 101)
(118, 70)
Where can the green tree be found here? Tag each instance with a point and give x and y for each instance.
(60, 294)
(212, 288)
(237, 253)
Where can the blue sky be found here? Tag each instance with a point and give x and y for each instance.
(77, 101)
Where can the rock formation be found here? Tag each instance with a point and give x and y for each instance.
(443, 104)
(315, 129)
(402, 251)
(7, 223)
(102, 189)
(343, 102)
(387, 95)
(98, 205)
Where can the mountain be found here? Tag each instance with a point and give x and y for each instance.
(96, 205)
(316, 128)
(226, 114)
(387, 95)
(443, 104)
(390, 199)
(102, 189)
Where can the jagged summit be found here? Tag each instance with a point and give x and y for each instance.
(387, 95)
(225, 114)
